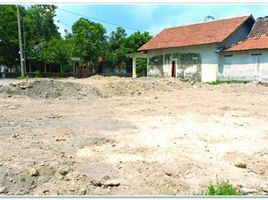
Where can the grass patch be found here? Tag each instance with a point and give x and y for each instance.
(21, 78)
(223, 188)
(226, 82)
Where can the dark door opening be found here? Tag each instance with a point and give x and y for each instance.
(173, 69)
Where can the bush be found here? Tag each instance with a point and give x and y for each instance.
(37, 74)
(223, 188)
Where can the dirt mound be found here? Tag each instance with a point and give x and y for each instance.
(141, 86)
(48, 88)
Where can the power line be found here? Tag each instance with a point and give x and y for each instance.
(104, 21)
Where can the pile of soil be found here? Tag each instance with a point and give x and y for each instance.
(140, 86)
(48, 88)
(104, 87)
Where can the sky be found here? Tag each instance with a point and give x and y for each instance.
(151, 17)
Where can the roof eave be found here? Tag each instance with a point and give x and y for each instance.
(215, 43)
(252, 49)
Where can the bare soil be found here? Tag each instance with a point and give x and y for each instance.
(123, 136)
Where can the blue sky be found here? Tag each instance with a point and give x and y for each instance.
(153, 17)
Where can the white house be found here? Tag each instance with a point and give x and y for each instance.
(199, 51)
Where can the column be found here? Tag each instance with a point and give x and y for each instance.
(134, 75)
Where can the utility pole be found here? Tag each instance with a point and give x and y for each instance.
(22, 60)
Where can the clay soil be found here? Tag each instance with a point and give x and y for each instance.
(123, 136)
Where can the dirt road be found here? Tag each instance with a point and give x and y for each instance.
(123, 136)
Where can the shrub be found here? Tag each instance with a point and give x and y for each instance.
(223, 188)
(37, 74)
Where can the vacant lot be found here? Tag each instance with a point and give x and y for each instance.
(123, 136)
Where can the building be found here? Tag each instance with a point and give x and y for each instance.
(201, 51)
(247, 59)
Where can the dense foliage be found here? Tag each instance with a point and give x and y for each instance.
(43, 42)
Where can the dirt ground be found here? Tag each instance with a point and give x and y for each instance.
(123, 136)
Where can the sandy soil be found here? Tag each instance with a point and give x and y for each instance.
(134, 137)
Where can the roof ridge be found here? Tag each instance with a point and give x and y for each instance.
(223, 19)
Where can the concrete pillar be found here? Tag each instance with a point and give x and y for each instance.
(134, 75)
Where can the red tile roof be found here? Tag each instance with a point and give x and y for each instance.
(257, 38)
(250, 44)
(195, 34)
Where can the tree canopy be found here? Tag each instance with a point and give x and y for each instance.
(88, 40)
(9, 35)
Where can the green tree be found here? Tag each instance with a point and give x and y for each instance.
(120, 45)
(116, 48)
(89, 40)
(38, 26)
(9, 44)
(39, 23)
(54, 52)
(136, 40)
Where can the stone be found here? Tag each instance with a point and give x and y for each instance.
(168, 173)
(111, 183)
(241, 165)
(34, 172)
(3, 190)
(23, 87)
(15, 135)
(82, 191)
(64, 170)
(108, 183)
(248, 191)
(96, 183)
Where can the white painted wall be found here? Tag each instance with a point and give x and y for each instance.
(209, 61)
(243, 66)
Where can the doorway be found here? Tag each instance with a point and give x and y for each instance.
(173, 69)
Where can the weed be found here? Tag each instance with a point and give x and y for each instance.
(223, 188)
(226, 82)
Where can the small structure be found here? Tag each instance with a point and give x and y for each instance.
(193, 51)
